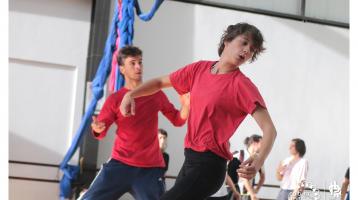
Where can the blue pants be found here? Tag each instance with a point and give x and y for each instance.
(116, 178)
(284, 194)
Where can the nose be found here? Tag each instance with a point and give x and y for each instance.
(246, 49)
(138, 67)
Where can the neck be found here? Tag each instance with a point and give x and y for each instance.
(130, 84)
(224, 66)
(250, 151)
(296, 157)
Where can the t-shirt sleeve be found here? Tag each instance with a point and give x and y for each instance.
(304, 171)
(107, 115)
(182, 79)
(249, 96)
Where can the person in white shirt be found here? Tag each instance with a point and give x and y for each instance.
(292, 171)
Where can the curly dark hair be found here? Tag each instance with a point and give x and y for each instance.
(127, 51)
(233, 31)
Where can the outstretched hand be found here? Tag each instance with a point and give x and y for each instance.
(127, 106)
(97, 126)
(249, 168)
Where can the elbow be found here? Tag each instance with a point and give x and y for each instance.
(270, 131)
(179, 123)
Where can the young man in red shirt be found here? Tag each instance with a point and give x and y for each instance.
(221, 96)
(136, 164)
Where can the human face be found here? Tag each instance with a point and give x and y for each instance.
(239, 50)
(162, 141)
(292, 149)
(132, 68)
(257, 146)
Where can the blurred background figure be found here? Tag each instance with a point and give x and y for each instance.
(163, 144)
(248, 188)
(292, 171)
(345, 184)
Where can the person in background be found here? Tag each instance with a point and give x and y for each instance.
(249, 190)
(162, 137)
(136, 164)
(292, 171)
(345, 184)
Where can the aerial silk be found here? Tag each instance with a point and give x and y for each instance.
(121, 34)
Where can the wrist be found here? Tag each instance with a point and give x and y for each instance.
(129, 94)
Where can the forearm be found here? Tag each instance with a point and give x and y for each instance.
(265, 123)
(150, 87)
(268, 139)
(278, 175)
(260, 183)
(248, 187)
(184, 112)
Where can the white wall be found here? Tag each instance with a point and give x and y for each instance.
(303, 77)
(48, 43)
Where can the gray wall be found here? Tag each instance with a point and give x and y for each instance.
(48, 42)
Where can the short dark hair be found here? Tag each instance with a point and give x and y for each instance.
(163, 132)
(127, 51)
(300, 146)
(253, 138)
(233, 31)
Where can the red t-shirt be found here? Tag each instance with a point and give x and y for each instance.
(218, 105)
(136, 141)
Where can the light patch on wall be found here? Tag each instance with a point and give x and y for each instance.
(41, 101)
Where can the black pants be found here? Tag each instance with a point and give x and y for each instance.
(218, 198)
(201, 175)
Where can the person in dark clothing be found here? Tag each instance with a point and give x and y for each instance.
(162, 137)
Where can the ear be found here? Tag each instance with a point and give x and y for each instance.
(121, 69)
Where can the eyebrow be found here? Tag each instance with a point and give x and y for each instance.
(133, 59)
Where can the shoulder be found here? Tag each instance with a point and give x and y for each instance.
(160, 95)
(304, 161)
(244, 81)
(200, 65)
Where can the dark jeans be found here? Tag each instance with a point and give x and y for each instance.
(201, 175)
(116, 178)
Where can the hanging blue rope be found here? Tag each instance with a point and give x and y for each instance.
(125, 25)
